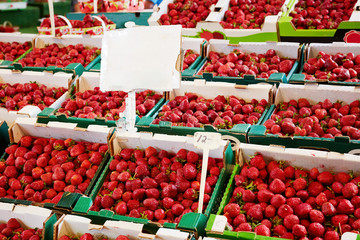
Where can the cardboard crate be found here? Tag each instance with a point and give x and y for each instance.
(154, 20)
(58, 130)
(45, 78)
(12, 5)
(73, 225)
(290, 50)
(314, 93)
(212, 29)
(29, 217)
(88, 81)
(347, 31)
(300, 158)
(16, 37)
(76, 68)
(312, 50)
(210, 90)
(198, 46)
(190, 222)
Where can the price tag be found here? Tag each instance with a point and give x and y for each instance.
(219, 224)
(206, 141)
(350, 236)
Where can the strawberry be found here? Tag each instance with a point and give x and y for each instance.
(26, 141)
(317, 216)
(258, 162)
(315, 188)
(255, 212)
(290, 221)
(302, 210)
(262, 230)
(76, 150)
(122, 237)
(316, 230)
(331, 235)
(277, 186)
(325, 178)
(345, 207)
(189, 171)
(350, 190)
(299, 230)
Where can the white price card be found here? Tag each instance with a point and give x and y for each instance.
(207, 140)
(141, 58)
(350, 236)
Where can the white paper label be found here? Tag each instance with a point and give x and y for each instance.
(141, 58)
(219, 224)
(207, 140)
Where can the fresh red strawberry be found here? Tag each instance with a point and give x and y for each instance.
(76, 150)
(277, 186)
(350, 190)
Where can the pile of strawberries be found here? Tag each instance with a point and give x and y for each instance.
(17, 96)
(88, 236)
(186, 12)
(338, 67)
(156, 185)
(54, 55)
(238, 63)
(276, 200)
(89, 22)
(41, 170)
(319, 14)
(59, 22)
(13, 230)
(189, 58)
(192, 110)
(13, 50)
(324, 119)
(97, 104)
(250, 14)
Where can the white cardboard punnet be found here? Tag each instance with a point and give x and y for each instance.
(283, 49)
(20, 38)
(86, 40)
(28, 126)
(150, 64)
(171, 143)
(77, 225)
(29, 216)
(332, 48)
(193, 44)
(212, 89)
(59, 79)
(316, 92)
(304, 158)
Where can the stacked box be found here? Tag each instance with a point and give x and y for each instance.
(87, 81)
(59, 79)
(286, 50)
(190, 222)
(29, 127)
(209, 90)
(299, 158)
(313, 93)
(312, 50)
